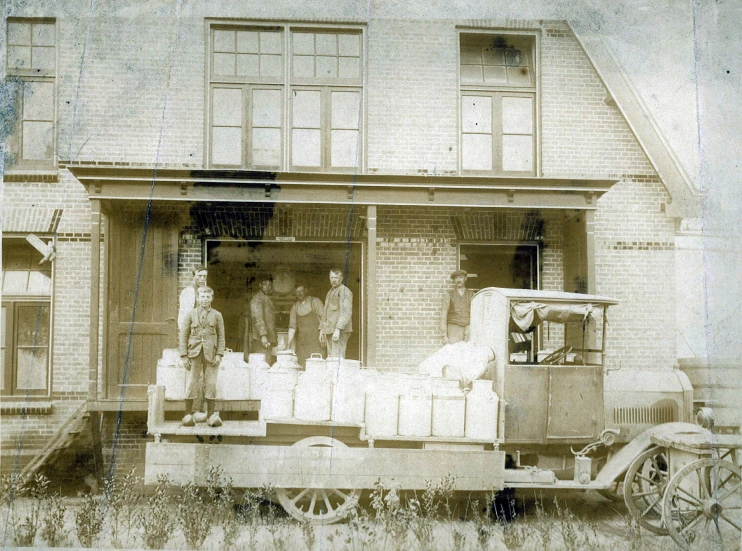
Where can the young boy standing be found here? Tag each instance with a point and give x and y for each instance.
(201, 349)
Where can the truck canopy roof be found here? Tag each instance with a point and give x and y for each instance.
(549, 296)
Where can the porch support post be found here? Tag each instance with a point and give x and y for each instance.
(590, 251)
(371, 285)
(95, 221)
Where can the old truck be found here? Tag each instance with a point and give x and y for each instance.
(566, 419)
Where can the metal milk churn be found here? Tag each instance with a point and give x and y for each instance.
(313, 396)
(482, 405)
(415, 406)
(448, 408)
(233, 379)
(171, 374)
(349, 396)
(382, 406)
(277, 400)
(257, 368)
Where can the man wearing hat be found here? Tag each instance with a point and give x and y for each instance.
(456, 310)
(263, 320)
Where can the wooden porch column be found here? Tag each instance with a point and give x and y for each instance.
(371, 285)
(95, 220)
(590, 251)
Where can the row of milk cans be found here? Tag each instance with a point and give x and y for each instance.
(339, 390)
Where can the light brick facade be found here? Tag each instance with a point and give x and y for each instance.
(131, 92)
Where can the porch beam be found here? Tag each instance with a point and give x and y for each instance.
(371, 285)
(590, 251)
(95, 223)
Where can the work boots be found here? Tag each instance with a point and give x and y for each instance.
(188, 420)
(213, 416)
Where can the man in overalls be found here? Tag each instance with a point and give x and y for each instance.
(456, 310)
(304, 320)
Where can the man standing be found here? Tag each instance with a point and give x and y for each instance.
(263, 321)
(187, 301)
(201, 349)
(456, 310)
(304, 320)
(336, 326)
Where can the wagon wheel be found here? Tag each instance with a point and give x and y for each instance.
(614, 492)
(703, 505)
(557, 356)
(318, 505)
(643, 488)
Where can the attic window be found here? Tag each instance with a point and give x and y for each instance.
(497, 60)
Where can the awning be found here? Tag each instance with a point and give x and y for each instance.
(530, 314)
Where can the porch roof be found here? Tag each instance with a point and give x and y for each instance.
(183, 184)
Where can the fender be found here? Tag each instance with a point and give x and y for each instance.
(620, 461)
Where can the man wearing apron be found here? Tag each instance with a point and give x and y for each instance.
(304, 321)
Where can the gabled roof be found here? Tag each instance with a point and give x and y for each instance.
(686, 198)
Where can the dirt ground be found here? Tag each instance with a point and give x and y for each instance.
(543, 520)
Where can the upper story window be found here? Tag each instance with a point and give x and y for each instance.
(498, 104)
(25, 332)
(31, 78)
(285, 98)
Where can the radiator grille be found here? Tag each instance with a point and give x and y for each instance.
(652, 415)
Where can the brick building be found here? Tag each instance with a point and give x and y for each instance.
(142, 143)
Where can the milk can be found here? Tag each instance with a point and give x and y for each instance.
(277, 400)
(233, 379)
(382, 406)
(415, 406)
(257, 369)
(313, 397)
(286, 359)
(349, 396)
(481, 411)
(171, 374)
(315, 362)
(448, 409)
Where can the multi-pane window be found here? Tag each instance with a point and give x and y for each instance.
(31, 70)
(25, 336)
(498, 104)
(285, 98)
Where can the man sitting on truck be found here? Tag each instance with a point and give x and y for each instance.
(456, 310)
(201, 350)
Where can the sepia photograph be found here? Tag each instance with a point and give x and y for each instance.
(371, 275)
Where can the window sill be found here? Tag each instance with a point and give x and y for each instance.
(50, 175)
(9, 406)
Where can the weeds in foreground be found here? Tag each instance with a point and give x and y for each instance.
(53, 528)
(89, 520)
(25, 515)
(156, 520)
(121, 499)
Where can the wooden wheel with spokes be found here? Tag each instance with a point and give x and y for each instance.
(318, 505)
(644, 486)
(703, 505)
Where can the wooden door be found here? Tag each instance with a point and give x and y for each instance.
(142, 300)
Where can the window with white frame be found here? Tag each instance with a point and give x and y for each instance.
(25, 336)
(498, 104)
(31, 78)
(285, 98)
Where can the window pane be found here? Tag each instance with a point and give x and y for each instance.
(306, 109)
(19, 57)
(43, 58)
(40, 283)
(476, 152)
(520, 76)
(517, 153)
(305, 148)
(266, 108)
(248, 65)
(226, 146)
(303, 66)
(495, 75)
(344, 151)
(346, 110)
(476, 114)
(349, 44)
(43, 34)
(266, 146)
(19, 33)
(326, 44)
(224, 41)
(247, 42)
(471, 74)
(32, 325)
(224, 64)
(271, 65)
(38, 141)
(227, 107)
(493, 56)
(270, 43)
(15, 282)
(349, 67)
(327, 67)
(31, 368)
(517, 115)
(471, 53)
(303, 43)
(38, 101)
